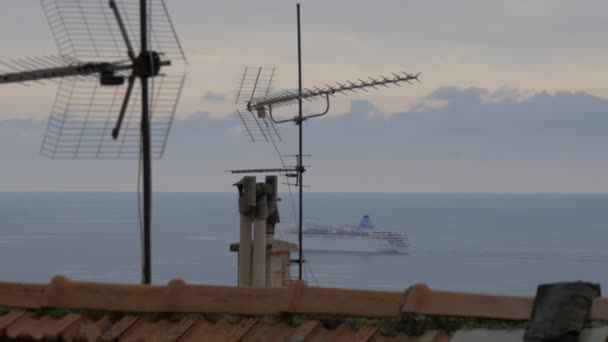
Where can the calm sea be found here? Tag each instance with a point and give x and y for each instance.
(488, 243)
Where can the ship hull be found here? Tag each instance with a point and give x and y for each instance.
(346, 244)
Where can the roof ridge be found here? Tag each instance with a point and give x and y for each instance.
(179, 297)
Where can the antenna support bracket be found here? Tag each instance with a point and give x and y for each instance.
(148, 64)
(108, 78)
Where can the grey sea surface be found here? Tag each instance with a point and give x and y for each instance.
(486, 243)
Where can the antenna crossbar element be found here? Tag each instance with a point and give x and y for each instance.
(87, 29)
(256, 82)
(39, 69)
(286, 169)
(258, 129)
(84, 114)
(106, 70)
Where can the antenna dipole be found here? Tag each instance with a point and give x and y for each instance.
(287, 98)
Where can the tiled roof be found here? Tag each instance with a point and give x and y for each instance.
(78, 311)
(70, 326)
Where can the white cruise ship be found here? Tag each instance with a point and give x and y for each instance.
(362, 238)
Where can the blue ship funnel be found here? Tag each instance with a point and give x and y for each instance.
(366, 223)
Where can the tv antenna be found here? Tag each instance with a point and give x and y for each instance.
(260, 107)
(96, 65)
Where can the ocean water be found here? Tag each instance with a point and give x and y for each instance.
(486, 243)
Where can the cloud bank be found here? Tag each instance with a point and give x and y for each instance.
(472, 124)
(448, 124)
(468, 138)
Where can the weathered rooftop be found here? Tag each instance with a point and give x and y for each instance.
(77, 311)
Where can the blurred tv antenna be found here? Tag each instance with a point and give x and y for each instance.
(96, 65)
(260, 107)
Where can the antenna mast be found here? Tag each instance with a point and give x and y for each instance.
(145, 137)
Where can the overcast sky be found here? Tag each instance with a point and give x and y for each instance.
(512, 97)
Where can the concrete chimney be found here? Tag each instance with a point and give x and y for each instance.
(266, 262)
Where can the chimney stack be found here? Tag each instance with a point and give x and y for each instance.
(263, 261)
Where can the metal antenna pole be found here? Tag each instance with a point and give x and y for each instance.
(301, 170)
(147, 160)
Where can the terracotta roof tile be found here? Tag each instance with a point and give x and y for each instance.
(79, 311)
(341, 333)
(181, 328)
(88, 329)
(8, 318)
(81, 327)
(264, 331)
(365, 333)
(221, 330)
(242, 329)
(305, 329)
(203, 330)
(47, 327)
(118, 329)
(162, 330)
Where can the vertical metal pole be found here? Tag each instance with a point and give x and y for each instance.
(147, 162)
(300, 164)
